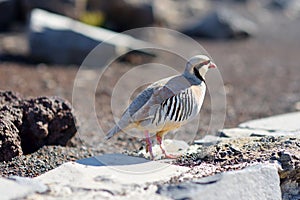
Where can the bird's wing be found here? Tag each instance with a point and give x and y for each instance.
(136, 111)
(147, 102)
(145, 105)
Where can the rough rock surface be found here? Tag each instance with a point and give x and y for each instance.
(47, 121)
(13, 113)
(10, 144)
(290, 175)
(10, 121)
(28, 124)
(238, 153)
(11, 107)
(9, 98)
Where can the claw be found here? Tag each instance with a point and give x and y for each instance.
(159, 140)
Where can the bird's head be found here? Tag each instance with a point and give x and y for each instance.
(199, 65)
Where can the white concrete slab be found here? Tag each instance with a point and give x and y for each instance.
(113, 177)
(258, 182)
(245, 132)
(289, 122)
(10, 189)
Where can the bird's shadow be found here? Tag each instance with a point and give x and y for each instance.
(112, 160)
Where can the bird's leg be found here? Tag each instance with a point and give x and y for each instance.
(159, 140)
(149, 145)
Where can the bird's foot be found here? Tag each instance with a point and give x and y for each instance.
(149, 145)
(170, 156)
(149, 150)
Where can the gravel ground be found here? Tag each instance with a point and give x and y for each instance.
(235, 151)
(43, 160)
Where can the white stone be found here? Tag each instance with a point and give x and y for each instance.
(120, 174)
(29, 182)
(259, 182)
(245, 132)
(10, 189)
(289, 122)
(239, 132)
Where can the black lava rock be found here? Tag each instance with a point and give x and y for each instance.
(10, 143)
(46, 121)
(28, 124)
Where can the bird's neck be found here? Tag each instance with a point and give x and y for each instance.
(194, 78)
(199, 75)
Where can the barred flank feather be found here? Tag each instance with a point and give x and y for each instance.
(177, 108)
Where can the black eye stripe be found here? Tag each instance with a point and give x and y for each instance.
(197, 74)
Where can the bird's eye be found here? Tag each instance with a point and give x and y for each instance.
(206, 62)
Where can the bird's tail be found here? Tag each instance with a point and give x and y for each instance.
(122, 125)
(116, 129)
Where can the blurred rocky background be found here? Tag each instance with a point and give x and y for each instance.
(255, 43)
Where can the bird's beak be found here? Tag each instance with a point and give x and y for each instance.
(212, 65)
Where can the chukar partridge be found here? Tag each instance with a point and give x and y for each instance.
(167, 104)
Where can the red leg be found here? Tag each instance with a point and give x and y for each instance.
(159, 140)
(149, 145)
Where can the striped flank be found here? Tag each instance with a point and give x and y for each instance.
(177, 108)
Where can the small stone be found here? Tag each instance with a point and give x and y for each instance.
(222, 154)
(285, 160)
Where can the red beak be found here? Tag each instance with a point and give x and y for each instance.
(212, 65)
